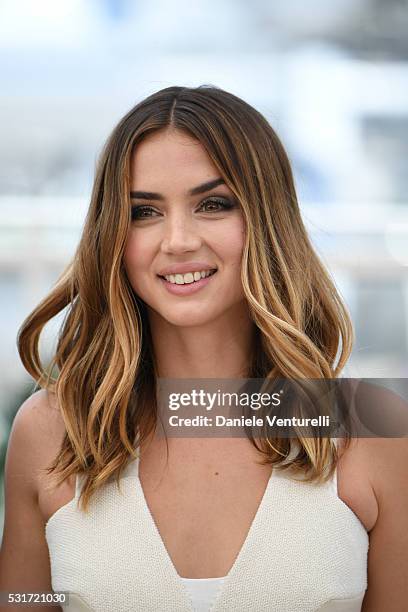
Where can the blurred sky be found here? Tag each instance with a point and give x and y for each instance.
(332, 78)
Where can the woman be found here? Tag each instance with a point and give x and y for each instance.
(194, 263)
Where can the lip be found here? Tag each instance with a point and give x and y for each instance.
(188, 288)
(183, 268)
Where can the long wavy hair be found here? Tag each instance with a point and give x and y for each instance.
(103, 373)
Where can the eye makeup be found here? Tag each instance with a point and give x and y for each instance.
(144, 211)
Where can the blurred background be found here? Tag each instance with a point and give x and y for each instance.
(331, 77)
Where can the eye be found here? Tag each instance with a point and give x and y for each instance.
(212, 205)
(216, 204)
(142, 212)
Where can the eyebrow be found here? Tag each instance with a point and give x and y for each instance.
(150, 195)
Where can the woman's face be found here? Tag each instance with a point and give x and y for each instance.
(185, 223)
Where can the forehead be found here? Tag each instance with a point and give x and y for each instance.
(169, 156)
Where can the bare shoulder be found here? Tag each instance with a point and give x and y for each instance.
(387, 469)
(387, 459)
(36, 435)
(40, 416)
(35, 438)
(382, 462)
(40, 406)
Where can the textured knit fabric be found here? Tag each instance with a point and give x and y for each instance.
(305, 551)
(202, 591)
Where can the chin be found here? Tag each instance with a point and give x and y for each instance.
(189, 319)
(186, 315)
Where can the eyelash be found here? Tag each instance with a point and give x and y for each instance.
(226, 205)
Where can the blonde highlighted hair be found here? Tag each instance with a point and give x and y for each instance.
(103, 372)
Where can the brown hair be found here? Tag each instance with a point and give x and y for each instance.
(103, 371)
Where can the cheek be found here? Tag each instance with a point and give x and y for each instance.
(233, 241)
(134, 258)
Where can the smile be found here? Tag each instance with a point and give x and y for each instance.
(189, 277)
(185, 284)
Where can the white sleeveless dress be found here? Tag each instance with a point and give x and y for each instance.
(306, 551)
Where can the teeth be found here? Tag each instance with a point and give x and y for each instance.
(190, 277)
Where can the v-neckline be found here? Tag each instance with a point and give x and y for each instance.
(238, 559)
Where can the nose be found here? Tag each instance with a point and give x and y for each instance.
(180, 235)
